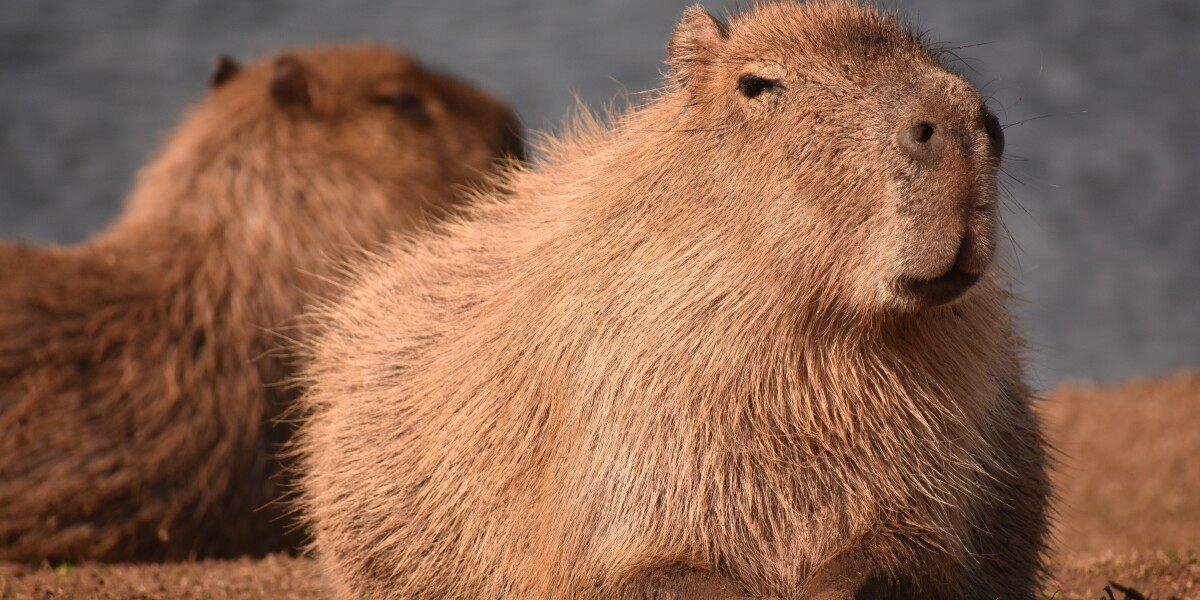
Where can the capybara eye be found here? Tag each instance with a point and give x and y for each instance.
(410, 105)
(752, 86)
(995, 132)
(922, 133)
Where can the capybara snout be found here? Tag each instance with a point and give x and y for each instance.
(953, 145)
(479, 112)
(941, 118)
(461, 110)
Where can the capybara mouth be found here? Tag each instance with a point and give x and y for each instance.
(963, 273)
(942, 289)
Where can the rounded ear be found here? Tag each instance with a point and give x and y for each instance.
(694, 44)
(290, 83)
(224, 68)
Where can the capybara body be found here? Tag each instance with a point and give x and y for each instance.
(138, 382)
(743, 342)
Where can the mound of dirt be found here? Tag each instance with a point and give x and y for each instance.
(268, 578)
(1134, 576)
(1129, 478)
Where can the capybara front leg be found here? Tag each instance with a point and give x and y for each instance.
(683, 584)
(848, 579)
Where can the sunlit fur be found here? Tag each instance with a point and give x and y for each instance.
(668, 361)
(135, 396)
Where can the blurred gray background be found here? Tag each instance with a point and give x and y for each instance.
(1100, 101)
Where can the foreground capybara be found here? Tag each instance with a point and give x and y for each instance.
(745, 342)
(137, 389)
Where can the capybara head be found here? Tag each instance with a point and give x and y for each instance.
(386, 105)
(874, 165)
(366, 105)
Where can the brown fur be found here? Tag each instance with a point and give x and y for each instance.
(682, 357)
(135, 402)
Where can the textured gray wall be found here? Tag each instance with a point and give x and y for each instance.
(1103, 155)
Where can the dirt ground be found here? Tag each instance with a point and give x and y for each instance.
(1157, 576)
(1129, 526)
(1129, 487)
(1129, 476)
(274, 577)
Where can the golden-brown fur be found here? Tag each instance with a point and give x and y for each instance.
(136, 402)
(715, 349)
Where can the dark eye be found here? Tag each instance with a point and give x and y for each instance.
(408, 105)
(752, 86)
(996, 133)
(922, 132)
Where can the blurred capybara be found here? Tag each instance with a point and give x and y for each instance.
(746, 341)
(137, 382)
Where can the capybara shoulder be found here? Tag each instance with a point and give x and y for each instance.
(139, 381)
(746, 340)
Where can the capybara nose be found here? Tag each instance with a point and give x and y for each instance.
(926, 141)
(512, 143)
(995, 133)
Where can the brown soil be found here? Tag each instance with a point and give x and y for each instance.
(1129, 576)
(268, 578)
(1130, 472)
(1130, 488)
(1157, 576)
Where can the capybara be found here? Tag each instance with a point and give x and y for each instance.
(138, 384)
(745, 341)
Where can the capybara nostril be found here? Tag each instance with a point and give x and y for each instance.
(923, 141)
(921, 133)
(995, 133)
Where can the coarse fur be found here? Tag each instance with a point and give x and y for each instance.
(137, 385)
(744, 341)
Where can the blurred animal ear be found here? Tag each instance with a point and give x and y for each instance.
(694, 44)
(291, 83)
(224, 68)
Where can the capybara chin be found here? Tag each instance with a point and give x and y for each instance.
(137, 382)
(745, 341)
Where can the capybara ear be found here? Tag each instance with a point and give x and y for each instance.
(224, 68)
(694, 44)
(291, 83)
